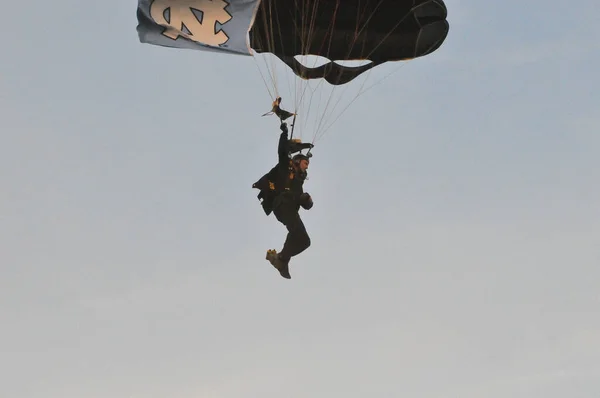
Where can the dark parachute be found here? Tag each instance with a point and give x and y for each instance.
(371, 31)
(341, 30)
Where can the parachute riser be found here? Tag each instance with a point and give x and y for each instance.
(308, 154)
(293, 125)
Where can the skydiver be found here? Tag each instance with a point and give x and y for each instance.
(282, 191)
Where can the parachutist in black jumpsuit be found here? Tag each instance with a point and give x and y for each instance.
(283, 193)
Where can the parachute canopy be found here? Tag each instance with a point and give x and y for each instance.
(339, 30)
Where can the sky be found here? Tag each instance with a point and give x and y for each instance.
(455, 239)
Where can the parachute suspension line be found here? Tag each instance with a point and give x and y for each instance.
(357, 31)
(299, 100)
(271, 88)
(386, 76)
(281, 43)
(269, 32)
(323, 113)
(306, 29)
(364, 91)
(305, 50)
(322, 132)
(304, 43)
(306, 32)
(271, 94)
(380, 80)
(311, 26)
(269, 27)
(320, 93)
(270, 65)
(271, 44)
(293, 84)
(331, 30)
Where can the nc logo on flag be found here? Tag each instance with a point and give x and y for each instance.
(195, 20)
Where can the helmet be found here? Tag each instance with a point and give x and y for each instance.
(302, 174)
(299, 157)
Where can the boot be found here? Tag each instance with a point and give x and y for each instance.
(281, 266)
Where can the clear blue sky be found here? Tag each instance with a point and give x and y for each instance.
(456, 240)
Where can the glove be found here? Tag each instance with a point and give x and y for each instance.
(306, 201)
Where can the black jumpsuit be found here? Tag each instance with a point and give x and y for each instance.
(286, 205)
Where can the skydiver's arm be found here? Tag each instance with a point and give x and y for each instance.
(283, 147)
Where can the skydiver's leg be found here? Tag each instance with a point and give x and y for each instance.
(297, 239)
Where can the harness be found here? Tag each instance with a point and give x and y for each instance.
(268, 188)
(267, 184)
